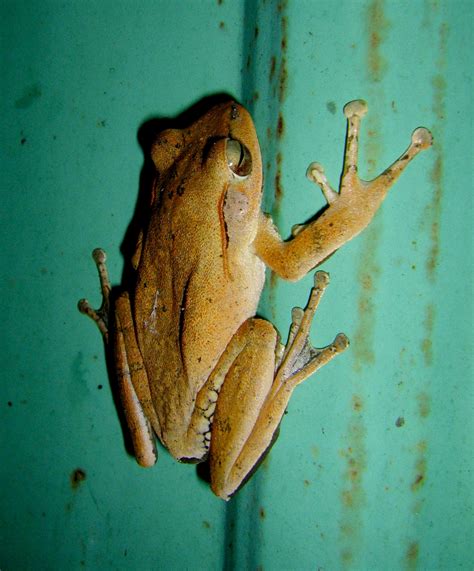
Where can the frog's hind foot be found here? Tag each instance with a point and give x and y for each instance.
(101, 315)
(300, 359)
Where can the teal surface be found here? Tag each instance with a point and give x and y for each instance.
(374, 465)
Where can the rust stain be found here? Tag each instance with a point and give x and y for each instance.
(363, 351)
(261, 513)
(424, 404)
(433, 213)
(353, 496)
(283, 75)
(368, 268)
(411, 555)
(278, 186)
(427, 343)
(400, 422)
(377, 26)
(420, 467)
(273, 63)
(77, 477)
(280, 126)
(357, 404)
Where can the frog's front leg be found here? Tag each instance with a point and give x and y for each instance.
(256, 379)
(349, 211)
(128, 363)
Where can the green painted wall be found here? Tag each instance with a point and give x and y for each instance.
(373, 468)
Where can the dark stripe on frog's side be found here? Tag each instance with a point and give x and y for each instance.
(181, 321)
(223, 230)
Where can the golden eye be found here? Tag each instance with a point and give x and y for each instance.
(239, 159)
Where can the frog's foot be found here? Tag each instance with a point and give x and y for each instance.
(250, 397)
(300, 359)
(101, 315)
(375, 190)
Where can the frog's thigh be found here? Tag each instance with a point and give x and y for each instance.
(133, 383)
(242, 397)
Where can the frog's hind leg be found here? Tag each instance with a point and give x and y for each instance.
(101, 315)
(128, 364)
(133, 384)
(256, 382)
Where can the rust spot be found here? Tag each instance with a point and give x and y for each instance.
(422, 446)
(221, 25)
(357, 404)
(355, 456)
(206, 524)
(363, 352)
(420, 467)
(283, 80)
(256, 32)
(306, 483)
(439, 108)
(412, 554)
(77, 477)
(353, 497)
(427, 343)
(280, 126)
(347, 556)
(377, 26)
(273, 62)
(261, 512)
(331, 107)
(400, 422)
(278, 185)
(424, 404)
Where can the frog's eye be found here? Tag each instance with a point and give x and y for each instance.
(239, 159)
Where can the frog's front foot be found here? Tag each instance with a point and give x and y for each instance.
(369, 193)
(299, 358)
(101, 315)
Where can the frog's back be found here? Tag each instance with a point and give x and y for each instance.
(188, 311)
(198, 279)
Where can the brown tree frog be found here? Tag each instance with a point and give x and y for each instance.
(193, 363)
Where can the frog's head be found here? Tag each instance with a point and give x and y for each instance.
(214, 163)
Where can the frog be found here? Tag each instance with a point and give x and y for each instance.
(195, 365)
